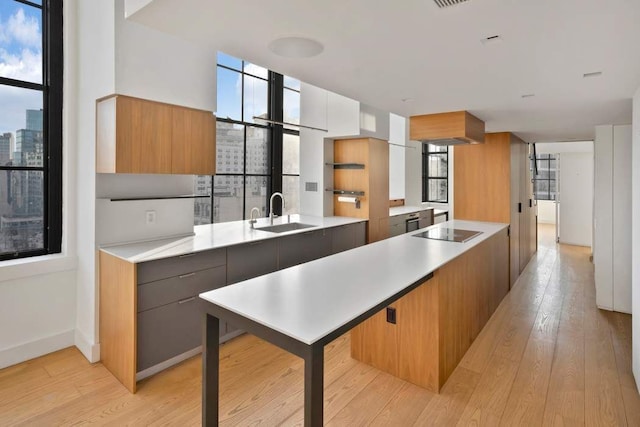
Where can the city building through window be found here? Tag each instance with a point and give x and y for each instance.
(254, 158)
(30, 128)
(435, 173)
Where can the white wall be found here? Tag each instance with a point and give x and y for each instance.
(397, 135)
(413, 177)
(120, 56)
(38, 316)
(547, 212)
(635, 226)
(576, 198)
(38, 294)
(612, 205)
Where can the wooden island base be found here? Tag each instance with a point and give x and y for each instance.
(437, 322)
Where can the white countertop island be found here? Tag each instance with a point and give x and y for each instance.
(308, 301)
(302, 308)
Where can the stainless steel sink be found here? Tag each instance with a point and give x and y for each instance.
(281, 228)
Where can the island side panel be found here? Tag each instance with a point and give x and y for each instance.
(118, 299)
(471, 288)
(438, 321)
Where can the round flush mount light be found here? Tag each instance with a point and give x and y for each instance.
(296, 47)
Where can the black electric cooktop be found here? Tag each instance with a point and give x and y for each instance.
(449, 234)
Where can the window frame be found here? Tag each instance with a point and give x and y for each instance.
(51, 88)
(426, 176)
(545, 158)
(275, 104)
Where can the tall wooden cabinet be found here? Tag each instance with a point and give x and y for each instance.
(492, 182)
(369, 177)
(141, 136)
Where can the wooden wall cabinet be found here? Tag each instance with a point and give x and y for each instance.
(373, 180)
(492, 182)
(141, 136)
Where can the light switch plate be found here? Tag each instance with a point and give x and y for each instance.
(150, 217)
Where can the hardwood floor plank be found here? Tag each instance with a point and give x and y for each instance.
(405, 407)
(489, 399)
(367, 404)
(446, 408)
(527, 398)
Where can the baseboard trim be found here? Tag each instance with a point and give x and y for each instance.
(89, 350)
(31, 350)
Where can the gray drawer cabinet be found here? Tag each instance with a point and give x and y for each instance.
(426, 218)
(303, 247)
(168, 319)
(397, 229)
(251, 260)
(168, 267)
(168, 331)
(348, 236)
(165, 291)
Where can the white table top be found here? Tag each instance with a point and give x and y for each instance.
(311, 300)
(402, 210)
(212, 236)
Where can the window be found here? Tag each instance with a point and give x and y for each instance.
(30, 128)
(435, 173)
(254, 158)
(544, 183)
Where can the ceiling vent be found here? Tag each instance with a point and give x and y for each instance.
(448, 3)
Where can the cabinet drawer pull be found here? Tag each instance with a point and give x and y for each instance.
(255, 243)
(187, 300)
(186, 255)
(184, 276)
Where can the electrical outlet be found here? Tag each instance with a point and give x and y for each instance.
(150, 217)
(391, 315)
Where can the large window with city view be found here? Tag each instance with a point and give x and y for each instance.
(435, 173)
(30, 127)
(544, 181)
(254, 157)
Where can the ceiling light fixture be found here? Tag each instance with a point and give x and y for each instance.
(594, 74)
(296, 47)
(406, 99)
(491, 39)
(528, 95)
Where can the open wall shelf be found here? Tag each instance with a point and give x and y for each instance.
(346, 165)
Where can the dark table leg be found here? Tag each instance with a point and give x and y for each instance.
(210, 370)
(314, 386)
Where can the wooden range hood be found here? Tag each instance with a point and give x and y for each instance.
(454, 128)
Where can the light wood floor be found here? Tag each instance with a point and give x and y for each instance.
(546, 357)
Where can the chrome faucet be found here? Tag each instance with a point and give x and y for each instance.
(271, 215)
(253, 220)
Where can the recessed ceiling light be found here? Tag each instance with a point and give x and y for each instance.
(594, 74)
(296, 47)
(528, 95)
(491, 39)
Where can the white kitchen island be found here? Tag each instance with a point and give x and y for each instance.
(303, 308)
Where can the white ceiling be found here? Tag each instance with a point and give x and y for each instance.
(380, 52)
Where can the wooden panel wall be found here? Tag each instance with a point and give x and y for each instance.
(118, 301)
(438, 321)
(482, 179)
(373, 180)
